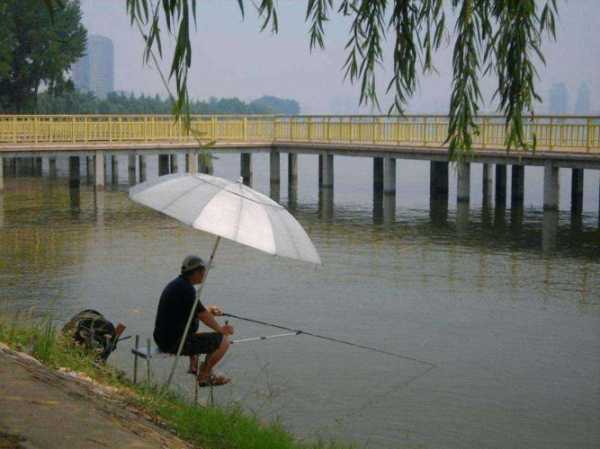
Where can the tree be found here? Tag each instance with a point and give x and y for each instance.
(499, 37)
(277, 105)
(38, 47)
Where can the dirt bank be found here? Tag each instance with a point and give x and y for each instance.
(45, 409)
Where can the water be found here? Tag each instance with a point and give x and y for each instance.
(513, 330)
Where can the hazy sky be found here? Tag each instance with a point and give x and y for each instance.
(231, 58)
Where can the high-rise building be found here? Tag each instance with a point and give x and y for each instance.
(94, 72)
(559, 99)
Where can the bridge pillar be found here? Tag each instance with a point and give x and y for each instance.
(52, 167)
(89, 168)
(99, 159)
(45, 165)
(377, 176)
(142, 167)
(551, 186)
(192, 162)
(275, 175)
(131, 168)
(487, 185)
(163, 164)
(517, 189)
(205, 163)
(463, 193)
(326, 171)
(246, 168)
(73, 171)
(275, 167)
(173, 163)
(292, 178)
(438, 180)
(500, 186)
(114, 169)
(577, 191)
(1, 173)
(389, 176)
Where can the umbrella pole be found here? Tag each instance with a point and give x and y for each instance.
(189, 321)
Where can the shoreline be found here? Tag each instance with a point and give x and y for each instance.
(52, 393)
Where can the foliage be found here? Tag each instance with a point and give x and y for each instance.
(207, 427)
(500, 37)
(38, 46)
(75, 102)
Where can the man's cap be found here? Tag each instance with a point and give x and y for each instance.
(190, 263)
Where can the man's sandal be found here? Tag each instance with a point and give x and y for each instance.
(215, 380)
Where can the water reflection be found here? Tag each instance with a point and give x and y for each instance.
(460, 287)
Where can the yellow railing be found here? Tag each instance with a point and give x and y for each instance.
(562, 133)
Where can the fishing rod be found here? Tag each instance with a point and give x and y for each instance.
(327, 338)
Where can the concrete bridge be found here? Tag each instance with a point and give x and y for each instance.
(571, 142)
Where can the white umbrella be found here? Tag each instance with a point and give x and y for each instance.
(230, 210)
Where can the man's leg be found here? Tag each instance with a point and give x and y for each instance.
(212, 359)
(193, 363)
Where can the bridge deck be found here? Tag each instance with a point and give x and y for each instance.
(567, 140)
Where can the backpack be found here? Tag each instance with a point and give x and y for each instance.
(91, 329)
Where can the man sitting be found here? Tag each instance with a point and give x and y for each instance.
(174, 308)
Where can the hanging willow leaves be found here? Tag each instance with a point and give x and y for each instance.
(490, 37)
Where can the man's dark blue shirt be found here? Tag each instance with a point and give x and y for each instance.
(174, 308)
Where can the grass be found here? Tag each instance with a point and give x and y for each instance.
(208, 427)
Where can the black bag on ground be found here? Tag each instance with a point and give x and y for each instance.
(91, 329)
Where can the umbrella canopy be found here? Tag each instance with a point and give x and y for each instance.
(230, 210)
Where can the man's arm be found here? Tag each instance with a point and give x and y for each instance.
(207, 318)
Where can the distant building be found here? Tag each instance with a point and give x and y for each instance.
(559, 99)
(94, 72)
(583, 102)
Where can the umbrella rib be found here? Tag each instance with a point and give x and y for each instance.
(224, 188)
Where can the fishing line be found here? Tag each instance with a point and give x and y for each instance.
(335, 340)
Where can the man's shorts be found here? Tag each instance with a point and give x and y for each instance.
(202, 343)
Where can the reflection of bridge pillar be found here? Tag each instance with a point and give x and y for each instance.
(326, 171)
(438, 180)
(292, 178)
(551, 186)
(326, 203)
(487, 186)
(500, 186)
(517, 186)
(577, 191)
(45, 165)
(246, 168)
(142, 167)
(163, 164)
(462, 217)
(1, 173)
(99, 159)
(463, 192)
(73, 171)
(52, 167)
(549, 230)
(173, 163)
(114, 169)
(131, 168)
